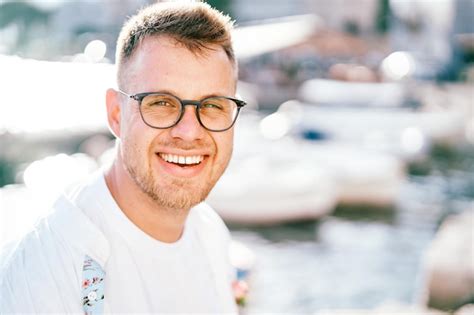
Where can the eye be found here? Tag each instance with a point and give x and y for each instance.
(161, 103)
(212, 106)
(216, 104)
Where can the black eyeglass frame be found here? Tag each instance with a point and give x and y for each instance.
(140, 96)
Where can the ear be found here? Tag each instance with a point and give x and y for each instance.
(113, 111)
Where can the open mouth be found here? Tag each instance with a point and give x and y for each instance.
(181, 160)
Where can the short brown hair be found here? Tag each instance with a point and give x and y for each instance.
(196, 25)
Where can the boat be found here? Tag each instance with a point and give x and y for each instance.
(449, 273)
(355, 94)
(362, 177)
(406, 133)
(265, 189)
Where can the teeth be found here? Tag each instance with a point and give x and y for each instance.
(195, 159)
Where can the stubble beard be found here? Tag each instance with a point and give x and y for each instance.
(179, 195)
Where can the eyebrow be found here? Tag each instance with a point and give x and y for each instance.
(176, 94)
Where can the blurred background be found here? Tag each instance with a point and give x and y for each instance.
(351, 187)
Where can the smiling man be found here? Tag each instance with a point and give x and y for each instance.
(136, 236)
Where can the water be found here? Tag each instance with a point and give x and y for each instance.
(357, 258)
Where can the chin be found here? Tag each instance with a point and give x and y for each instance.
(178, 194)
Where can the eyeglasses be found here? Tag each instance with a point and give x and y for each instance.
(163, 110)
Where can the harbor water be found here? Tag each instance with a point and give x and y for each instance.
(358, 258)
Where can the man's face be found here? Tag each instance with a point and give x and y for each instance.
(161, 65)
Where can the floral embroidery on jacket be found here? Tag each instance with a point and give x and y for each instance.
(92, 287)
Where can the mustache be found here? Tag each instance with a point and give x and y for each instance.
(186, 145)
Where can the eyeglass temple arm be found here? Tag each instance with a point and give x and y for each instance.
(134, 97)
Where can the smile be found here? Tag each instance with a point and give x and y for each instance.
(181, 159)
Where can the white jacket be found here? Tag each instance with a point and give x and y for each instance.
(43, 272)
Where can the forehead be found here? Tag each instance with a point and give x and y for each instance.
(160, 63)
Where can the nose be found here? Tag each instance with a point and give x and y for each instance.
(188, 128)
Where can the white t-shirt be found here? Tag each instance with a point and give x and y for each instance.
(144, 274)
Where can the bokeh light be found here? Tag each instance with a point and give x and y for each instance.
(398, 65)
(95, 50)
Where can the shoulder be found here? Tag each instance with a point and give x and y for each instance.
(42, 272)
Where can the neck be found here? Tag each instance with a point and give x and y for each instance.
(162, 224)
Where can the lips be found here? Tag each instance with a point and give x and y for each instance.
(184, 166)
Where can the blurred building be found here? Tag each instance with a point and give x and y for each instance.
(428, 29)
(50, 29)
(337, 14)
(79, 22)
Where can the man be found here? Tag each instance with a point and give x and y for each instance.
(136, 237)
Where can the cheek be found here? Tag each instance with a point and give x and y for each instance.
(129, 122)
(225, 144)
(137, 137)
